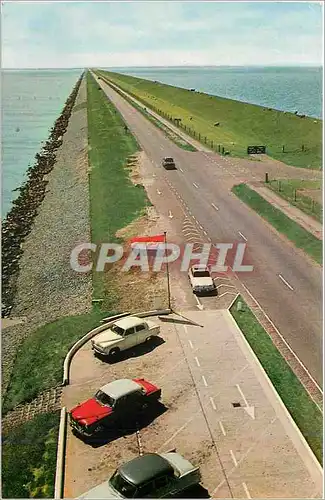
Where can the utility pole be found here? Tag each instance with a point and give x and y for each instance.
(167, 270)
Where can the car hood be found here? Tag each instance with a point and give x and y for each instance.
(102, 491)
(205, 281)
(90, 412)
(106, 337)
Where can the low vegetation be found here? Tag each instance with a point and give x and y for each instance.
(239, 124)
(29, 458)
(293, 231)
(295, 191)
(39, 362)
(114, 200)
(303, 410)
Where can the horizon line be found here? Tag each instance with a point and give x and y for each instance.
(283, 65)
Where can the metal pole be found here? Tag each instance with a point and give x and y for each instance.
(167, 270)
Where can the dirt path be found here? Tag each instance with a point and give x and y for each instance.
(304, 220)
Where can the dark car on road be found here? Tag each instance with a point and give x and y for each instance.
(151, 475)
(168, 163)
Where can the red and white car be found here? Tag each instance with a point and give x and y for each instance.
(113, 405)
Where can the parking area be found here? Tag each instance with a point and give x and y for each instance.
(219, 411)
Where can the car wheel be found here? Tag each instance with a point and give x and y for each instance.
(114, 353)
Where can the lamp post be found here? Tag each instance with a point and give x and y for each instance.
(167, 270)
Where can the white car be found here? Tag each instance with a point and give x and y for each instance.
(200, 279)
(123, 334)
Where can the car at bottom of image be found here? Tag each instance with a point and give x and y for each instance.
(201, 280)
(124, 334)
(169, 163)
(113, 405)
(151, 475)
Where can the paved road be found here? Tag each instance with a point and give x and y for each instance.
(285, 282)
(249, 451)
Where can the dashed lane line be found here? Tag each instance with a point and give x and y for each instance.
(204, 381)
(213, 403)
(214, 206)
(191, 345)
(233, 458)
(197, 361)
(195, 185)
(241, 234)
(246, 490)
(285, 281)
(222, 428)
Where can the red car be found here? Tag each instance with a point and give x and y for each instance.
(113, 405)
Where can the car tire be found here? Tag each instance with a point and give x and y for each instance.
(114, 353)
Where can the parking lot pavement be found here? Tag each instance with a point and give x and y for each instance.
(262, 453)
(202, 371)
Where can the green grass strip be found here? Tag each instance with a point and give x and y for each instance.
(302, 408)
(39, 362)
(114, 200)
(293, 231)
(286, 188)
(29, 458)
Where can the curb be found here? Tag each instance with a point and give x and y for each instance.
(232, 303)
(60, 456)
(98, 329)
(314, 467)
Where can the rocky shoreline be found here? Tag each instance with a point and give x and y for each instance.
(19, 221)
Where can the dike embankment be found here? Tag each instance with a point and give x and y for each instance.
(48, 219)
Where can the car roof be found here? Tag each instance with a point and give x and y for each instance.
(145, 468)
(200, 267)
(119, 388)
(128, 322)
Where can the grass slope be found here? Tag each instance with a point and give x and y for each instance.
(305, 203)
(29, 458)
(114, 200)
(293, 231)
(39, 362)
(303, 410)
(240, 123)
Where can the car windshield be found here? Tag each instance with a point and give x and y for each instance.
(169, 160)
(118, 330)
(201, 274)
(122, 486)
(104, 398)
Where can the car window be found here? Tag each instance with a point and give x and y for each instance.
(201, 274)
(117, 329)
(129, 331)
(161, 482)
(104, 398)
(138, 328)
(145, 490)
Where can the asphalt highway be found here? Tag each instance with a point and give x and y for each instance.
(286, 283)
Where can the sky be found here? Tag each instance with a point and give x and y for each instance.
(160, 33)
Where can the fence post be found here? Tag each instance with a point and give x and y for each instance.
(199, 136)
(302, 147)
(223, 150)
(312, 204)
(212, 143)
(219, 148)
(295, 195)
(194, 133)
(279, 186)
(205, 139)
(282, 149)
(266, 177)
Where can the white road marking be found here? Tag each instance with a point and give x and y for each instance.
(191, 345)
(213, 403)
(199, 305)
(181, 169)
(249, 409)
(170, 215)
(204, 232)
(246, 490)
(222, 428)
(214, 206)
(233, 458)
(285, 282)
(197, 361)
(204, 381)
(159, 192)
(185, 328)
(241, 234)
(224, 284)
(195, 185)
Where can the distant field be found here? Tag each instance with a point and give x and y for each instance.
(240, 124)
(306, 195)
